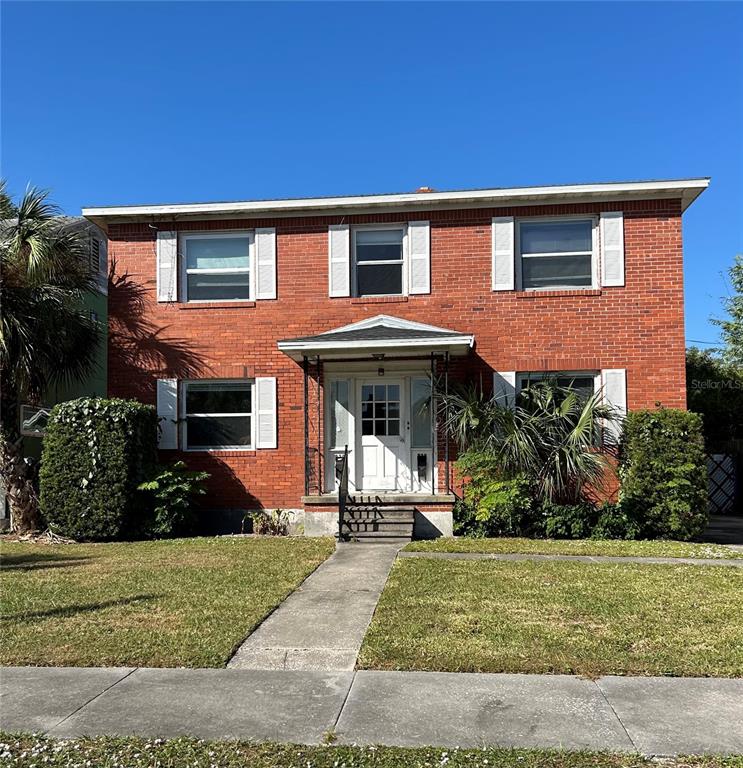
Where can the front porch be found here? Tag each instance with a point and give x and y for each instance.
(370, 404)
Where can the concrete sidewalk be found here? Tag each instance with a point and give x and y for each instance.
(322, 624)
(655, 716)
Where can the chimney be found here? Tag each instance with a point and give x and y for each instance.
(424, 190)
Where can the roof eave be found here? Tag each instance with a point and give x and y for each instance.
(297, 350)
(685, 189)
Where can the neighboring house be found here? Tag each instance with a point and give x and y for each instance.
(273, 334)
(34, 417)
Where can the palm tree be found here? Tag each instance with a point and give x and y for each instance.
(553, 436)
(46, 336)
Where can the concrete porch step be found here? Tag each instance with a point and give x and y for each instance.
(380, 523)
(365, 515)
(380, 526)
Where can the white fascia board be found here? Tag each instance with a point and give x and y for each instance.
(298, 348)
(687, 189)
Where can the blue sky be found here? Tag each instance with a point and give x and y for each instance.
(117, 102)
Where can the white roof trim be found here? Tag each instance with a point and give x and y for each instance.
(687, 189)
(387, 321)
(453, 344)
(442, 341)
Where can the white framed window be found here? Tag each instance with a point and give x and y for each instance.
(586, 383)
(217, 266)
(557, 253)
(34, 419)
(218, 415)
(378, 259)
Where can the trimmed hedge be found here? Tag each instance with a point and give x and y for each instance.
(96, 453)
(663, 474)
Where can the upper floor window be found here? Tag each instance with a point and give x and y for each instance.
(379, 258)
(558, 253)
(217, 267)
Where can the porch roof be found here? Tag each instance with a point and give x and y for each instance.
(380, 335)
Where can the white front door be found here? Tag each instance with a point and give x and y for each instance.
(382, 429)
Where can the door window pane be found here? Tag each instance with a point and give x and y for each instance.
(420, 415)
(384, 407)
(339, 413)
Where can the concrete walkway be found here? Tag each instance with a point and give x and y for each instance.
(655, 716)
(322, 624)
(731, 563)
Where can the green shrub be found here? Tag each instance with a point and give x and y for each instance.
(96, 452)
(614, 523)
(566, 521)
(663, 473)
(492, 505)
(170, 510)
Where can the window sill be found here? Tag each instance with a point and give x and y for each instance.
(379, 300)
(565, 292)
(216, 304)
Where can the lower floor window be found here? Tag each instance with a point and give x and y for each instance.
(583, 383)
(218, 414)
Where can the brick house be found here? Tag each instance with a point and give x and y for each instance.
(273, 334)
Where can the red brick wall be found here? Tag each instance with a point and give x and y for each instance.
(639, 327)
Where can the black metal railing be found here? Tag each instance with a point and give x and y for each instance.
(341, 473)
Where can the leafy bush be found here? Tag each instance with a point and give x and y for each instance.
(663, 473)
(170, 493)
(613, 522)
(566, 521)
(553, 436)
(96, 452)
(492, 505)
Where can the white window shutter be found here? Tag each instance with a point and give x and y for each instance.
(167, 266)
(614, 382)
(265, 412)
(503, 254)
(612, 248)
(265, 263)
(504, 388)
(419, 257)
(339, 271)
(167, 411)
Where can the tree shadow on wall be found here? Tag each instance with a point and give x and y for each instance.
(144, 351)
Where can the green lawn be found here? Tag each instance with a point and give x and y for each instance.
(615, 548)
(180, 603)
(558, 617)
(23, 751)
